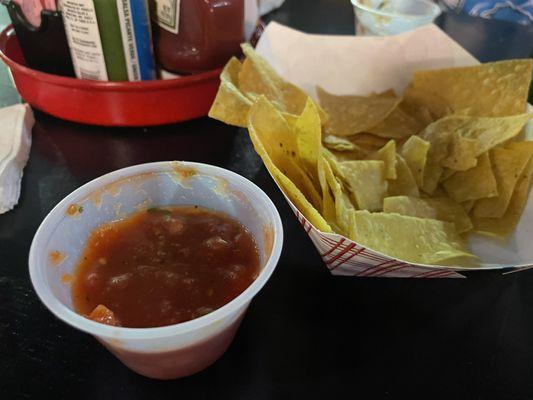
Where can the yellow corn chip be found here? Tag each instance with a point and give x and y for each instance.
(501, 228)
(476, 183)
(387, 154)
(414, 151)
(524, 146)
(404, 184)
(368, 141)
(258, 77)
(349, 115)
(398, 124)
(420, 113)
(489, 132)
(418, 97)
(441, 208)
(487, 90)
(507, 165)
(439, 140)
(357, 154)
(308, 139)
(447, 173)
(468, 205)
(343, 206)
(291, 119)
(328, 200)
(462, 152)
(333, 142)
(288, 187)
(366, 181)
(281, 144)
(411, 239)
(230, 105)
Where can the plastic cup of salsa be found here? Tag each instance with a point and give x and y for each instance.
(170, 351)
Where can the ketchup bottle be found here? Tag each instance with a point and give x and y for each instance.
(192, 36)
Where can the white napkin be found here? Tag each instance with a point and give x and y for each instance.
(16, 123)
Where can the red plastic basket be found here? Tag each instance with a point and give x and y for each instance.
(110, 103)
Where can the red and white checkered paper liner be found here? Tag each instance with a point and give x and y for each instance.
(343, 256)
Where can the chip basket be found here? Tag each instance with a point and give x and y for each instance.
(291, 52)
(344, 257)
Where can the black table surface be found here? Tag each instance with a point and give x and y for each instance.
(307, 334)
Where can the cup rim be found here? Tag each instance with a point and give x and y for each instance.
(74, 319)
(436, 10)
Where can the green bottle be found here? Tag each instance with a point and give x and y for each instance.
(111, 37)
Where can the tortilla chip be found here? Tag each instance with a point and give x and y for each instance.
(308, 130)
(328, 201)
(231, 105)
(281, 144)
(342, 205)
(333, 142)
(333, 161)
(462, 152)
(487, 90)
(523, 145)
(387, 154)
(291, 119)
(357, 154)
(420, 113)
(490, 132)
(288, 187)
(411, 239)
(414, 151)
(441, 208)
(404, 184)
(447, 173)
(507, 165)
(349, 115)
(418, 97)
(368, 142)
(476, 183)
(366, 182)
(501, 228)
(398, 124)
(439, 192)
(439, 140)
(468, 205)
(258, 77)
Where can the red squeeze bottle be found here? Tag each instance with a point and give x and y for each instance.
(191, 36)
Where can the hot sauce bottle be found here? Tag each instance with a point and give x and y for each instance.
(192, 36)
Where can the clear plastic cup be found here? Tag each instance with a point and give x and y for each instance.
(170, 351)
(390, 17)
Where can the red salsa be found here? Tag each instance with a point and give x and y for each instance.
(163, 266)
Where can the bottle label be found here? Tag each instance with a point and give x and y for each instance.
(128, 40)
(167, 14)
(84, 41)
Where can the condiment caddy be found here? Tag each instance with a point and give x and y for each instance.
(43, 69)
